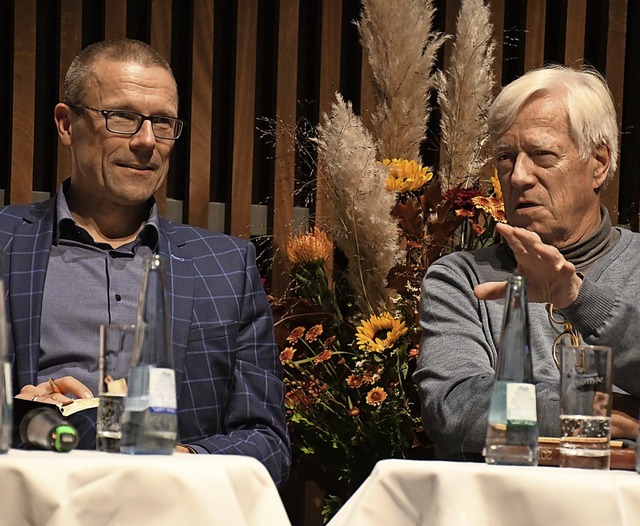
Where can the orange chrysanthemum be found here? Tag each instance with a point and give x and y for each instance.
(491, 205)
(406, 176)
(309, 248)
(313, 333)
(354, 381)
(323, 356)
(296, 334)
(287, 355)
(376, 396)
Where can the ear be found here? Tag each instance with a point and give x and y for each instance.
(602, 162)
(62, 116)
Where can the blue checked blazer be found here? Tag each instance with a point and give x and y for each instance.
(228, 374)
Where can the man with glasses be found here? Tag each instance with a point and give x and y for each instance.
(555, 140)
(75, 262)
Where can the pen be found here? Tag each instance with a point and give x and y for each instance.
(54, 386)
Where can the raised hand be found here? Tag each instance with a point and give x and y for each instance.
(551, 278)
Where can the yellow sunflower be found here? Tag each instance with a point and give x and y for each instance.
(406, 176)
(309, 248)
(379, 333)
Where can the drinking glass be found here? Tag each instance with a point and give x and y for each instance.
(585, 406)
(116, 347)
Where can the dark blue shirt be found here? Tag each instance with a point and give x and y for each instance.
(87, 284)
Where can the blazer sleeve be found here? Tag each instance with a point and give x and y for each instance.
(252, 418)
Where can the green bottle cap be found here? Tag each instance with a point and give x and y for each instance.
(64, 438)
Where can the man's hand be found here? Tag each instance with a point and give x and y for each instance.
(551, 278)
(56, 392)
(624, 416)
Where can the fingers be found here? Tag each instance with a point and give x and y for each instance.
(70, 386)
(60, 391)
(491, 290)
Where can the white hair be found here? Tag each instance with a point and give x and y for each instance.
(588, 100)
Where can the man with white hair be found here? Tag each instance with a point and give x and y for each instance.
(555, 138)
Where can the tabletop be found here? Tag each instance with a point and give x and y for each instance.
(93, 488)
(436, 493)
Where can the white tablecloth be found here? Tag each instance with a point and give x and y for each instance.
(86, 488)
(403, 492)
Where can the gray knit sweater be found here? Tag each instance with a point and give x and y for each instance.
(458, 356)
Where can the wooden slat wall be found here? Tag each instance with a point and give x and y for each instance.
(247, 171)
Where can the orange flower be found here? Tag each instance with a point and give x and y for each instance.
(464, 213)
(371, 376)
(477, 228)
(323, 356)
(309, 248)
(376, 396)
(287, 355)
(405, 176)
(313, 333)
(491, 205)
(354, 381)
(413, 352)
(295, 334)
(354, 411)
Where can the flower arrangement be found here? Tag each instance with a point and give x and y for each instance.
(348, 325)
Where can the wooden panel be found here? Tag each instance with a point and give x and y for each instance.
(24, 84)
(201, 108)
(574, 39)
(244, 118)
(367, 94)
(497, 19)
(161, 40)
(329, 83)
(534, 43)
(616, 46)
(70, 46)
(451, 18)
(115, 19)
(284, 184)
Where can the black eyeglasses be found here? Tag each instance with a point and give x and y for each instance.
(568, 336)
(127, 122)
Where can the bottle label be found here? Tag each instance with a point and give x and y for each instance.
(8, 390)
(162, 390)
(521, 404)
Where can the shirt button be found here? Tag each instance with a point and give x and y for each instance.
(118, 297)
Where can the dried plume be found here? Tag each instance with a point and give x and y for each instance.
(366, 232)
(401, 49)
(464, 95)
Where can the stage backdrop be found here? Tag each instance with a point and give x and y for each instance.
(246, 67)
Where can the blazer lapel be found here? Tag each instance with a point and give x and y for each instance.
(27, 260)
(180, 285)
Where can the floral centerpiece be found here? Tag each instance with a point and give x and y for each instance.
(348, 325)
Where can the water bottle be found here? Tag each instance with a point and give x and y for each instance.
(149, 422)
(512, 433)
(6, 391)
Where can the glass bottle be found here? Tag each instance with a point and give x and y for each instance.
(6, 391)
(512, 433)
(149, 422)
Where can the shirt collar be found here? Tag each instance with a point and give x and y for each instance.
(148, 236)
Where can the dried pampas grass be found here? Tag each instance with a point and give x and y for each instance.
(401, 49)
(354, 180)
(464, 96)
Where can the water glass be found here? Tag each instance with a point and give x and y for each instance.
(585, 406)
(116, 347)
